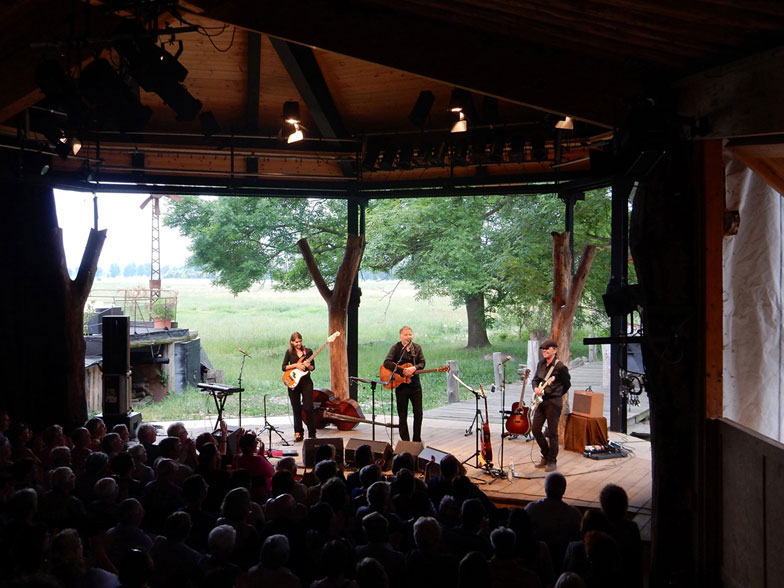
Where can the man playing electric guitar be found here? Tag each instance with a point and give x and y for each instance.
(406, 351)
(551, 381)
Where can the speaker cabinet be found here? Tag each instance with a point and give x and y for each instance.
(116, 394)
(429, 453)
(588, 404)
(310, 446)
(132, 420)
(116, 344)
(381, 450)
(412, 447)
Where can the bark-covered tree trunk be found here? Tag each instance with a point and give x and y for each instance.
(477, 327)
(337, 300)
(42, 312)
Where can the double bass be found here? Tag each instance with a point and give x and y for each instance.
(344, 414)
(519, 422)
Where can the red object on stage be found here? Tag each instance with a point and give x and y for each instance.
(582, 431)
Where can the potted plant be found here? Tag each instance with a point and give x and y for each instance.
(162, 314)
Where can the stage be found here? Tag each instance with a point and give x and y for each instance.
(445, 428)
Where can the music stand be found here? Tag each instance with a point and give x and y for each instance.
(477, 420)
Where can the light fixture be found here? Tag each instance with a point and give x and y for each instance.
(291, 118)
(567, 123)
(460, 125)
(461, 104)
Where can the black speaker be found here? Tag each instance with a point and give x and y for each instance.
(429, 453)
(309, 450)
(116, 344)
(116, 393)
(381, 450)
(132, 420)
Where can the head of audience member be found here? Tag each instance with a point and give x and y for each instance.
(170, 447)
(371, 574)
(60, 456)
(177, 430)
(111, 444)
(80, 437)
(282, 483)
(601, 550)
(555, 485)
(282, 507)
(287, 464)
(448, 511)
(570, 580)
(378, 495)
(451, 467)
(325, 469)
(23, 505)
(363, 456)
(130, 512)
(146, 433)
(326, 451)
(236, 506)
(5, 421)
(209, 458)
(19, 434)
(427, 534)
(194, 490)
(594, 520)
(320, 517)
(404, 483)
(376, 527)
(205, 438)
(53, 436)
(96, 427)
(472, 513)
(177, 526)
(614, 502)
(473, 570)
(274, 552)
(138, 453)
(165, 470)
(106, 490)
(62, 479)
(122, 430)
(220, 541)
(96, 464)
(135, 568)
(333, 492)
(369, 475)
(402, 461)
(66, 557)
(337, 558)
(504, 543)
(248, 444)
(461, 488)
(520, 523)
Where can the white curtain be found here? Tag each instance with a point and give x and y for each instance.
(753, 302)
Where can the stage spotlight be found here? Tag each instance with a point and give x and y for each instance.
(461, 104)
(460, 125)
(567, 124)
(209, 126)
(293, 132)
(114, 105)
(422, 108)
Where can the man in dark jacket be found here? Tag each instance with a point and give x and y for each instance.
(551, 381)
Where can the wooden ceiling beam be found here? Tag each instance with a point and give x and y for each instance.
(547, 78)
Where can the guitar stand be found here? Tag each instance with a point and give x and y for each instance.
(478, 421)
(270, 428)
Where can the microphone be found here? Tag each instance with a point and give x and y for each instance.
(504, 360)
(243, 352)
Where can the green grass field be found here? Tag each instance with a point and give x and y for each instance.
(261, 321)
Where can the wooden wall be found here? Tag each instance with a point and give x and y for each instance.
(748, 479)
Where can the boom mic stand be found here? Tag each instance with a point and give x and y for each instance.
(270, 428)
(239, 384)
(475, 421)
(373, 402)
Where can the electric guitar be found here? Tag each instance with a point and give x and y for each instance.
(398, 377)
(292, 377)
(536, 399)
(519, 422)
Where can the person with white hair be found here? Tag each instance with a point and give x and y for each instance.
(428, 564)
(216, 567)
(272, 570)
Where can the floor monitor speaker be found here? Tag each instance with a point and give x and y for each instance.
(588, 404)
(132, 420)
(310, 446)
(381, 450)
(428, 454)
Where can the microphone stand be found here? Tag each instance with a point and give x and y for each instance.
(239, 384)
(269, 427)
(475, 420)
(499, 471)
(372, 400)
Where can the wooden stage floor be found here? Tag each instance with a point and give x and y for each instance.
(444, 429)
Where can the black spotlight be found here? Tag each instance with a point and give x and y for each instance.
(622, 300)
(422, 108)
(114, 104)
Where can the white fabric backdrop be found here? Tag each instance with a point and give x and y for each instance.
(753, 302)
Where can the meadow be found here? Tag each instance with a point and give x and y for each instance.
(261, 321)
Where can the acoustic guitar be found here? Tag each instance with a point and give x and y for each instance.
(519, 422)
(398, 378)
(485, 441)
(292, 377)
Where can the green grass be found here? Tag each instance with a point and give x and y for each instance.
(261, 321)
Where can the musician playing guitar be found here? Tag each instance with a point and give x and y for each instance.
(301, 396)
(551, 381)
(407, 352)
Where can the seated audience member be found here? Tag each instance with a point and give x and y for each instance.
(135, 569)
(174, 563)
(554, 522)
(428, 564)
(162, 496)
(575, 559)
(68, 564)
(22, 537)
(368, 475)
(271, 569)
(370, 574)
(58, 507)
(216, 568)
(20, 437)
(473, 571)
(51, 437)
(96, 466)
(506, 570)
(102, 515)
(218, 479)
(111, 444)
(375, 528)
(171, 448)
(626, 533)
(60, 457)
(121, 466)
(97, 429)
(337, 562)
(125, 435)
(194, 492)
(570, 580)
(237, 510)
(604, 569)
(147, 436)
(187, 445)
(258, 467)
(362, 456)
(80, 437)
(127, 533)
(471, 533)
(534, 554)
(141, 471)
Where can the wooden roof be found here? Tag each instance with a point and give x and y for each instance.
(356, 69)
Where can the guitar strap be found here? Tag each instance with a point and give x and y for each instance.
(550, 371)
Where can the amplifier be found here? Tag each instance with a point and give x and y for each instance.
(588, 404)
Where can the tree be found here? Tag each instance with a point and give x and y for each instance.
(114, 270)
(130, 270)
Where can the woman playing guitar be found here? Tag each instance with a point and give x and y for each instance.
(301, 396)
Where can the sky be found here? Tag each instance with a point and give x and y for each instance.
(128, 227)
